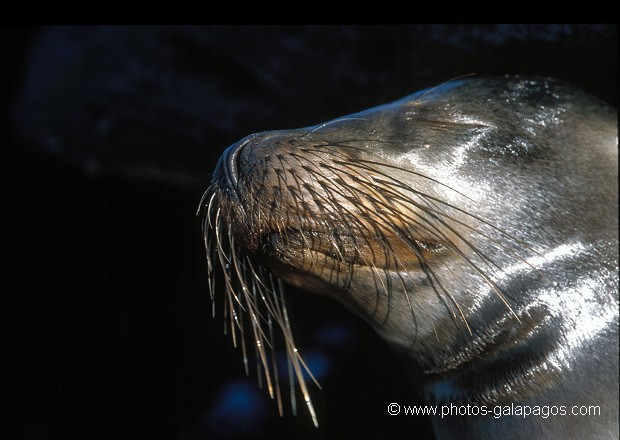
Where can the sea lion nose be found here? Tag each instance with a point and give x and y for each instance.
(230, 162)
(229, 167)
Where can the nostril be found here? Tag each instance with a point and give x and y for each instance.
(231, 161)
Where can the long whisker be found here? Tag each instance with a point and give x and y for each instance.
(251, 293)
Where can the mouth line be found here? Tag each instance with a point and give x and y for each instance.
(377, 252)
(297, 242)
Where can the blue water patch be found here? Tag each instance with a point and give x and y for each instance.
(445, 390)
(318, 363)
(335, 334)
(240, 409)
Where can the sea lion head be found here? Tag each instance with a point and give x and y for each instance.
(413, 214)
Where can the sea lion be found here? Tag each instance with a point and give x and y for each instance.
(474, 225)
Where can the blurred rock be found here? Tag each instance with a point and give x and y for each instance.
(163, 102)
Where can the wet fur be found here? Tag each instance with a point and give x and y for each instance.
(435, 218)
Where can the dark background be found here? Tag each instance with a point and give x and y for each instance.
(109, 135)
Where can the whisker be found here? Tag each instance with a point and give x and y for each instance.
(251, 293)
